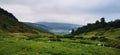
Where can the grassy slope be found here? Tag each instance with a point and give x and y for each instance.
(112, 33)
(18, 44)
(111, 37)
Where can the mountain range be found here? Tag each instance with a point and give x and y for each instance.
(57, 28)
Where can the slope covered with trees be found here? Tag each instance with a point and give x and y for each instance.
(102, 24)
(105, 33)
(9, 23)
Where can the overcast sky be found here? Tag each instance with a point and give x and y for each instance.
(67, 11)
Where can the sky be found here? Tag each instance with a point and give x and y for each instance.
(65, 11)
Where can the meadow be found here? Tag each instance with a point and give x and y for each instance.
(23, 44)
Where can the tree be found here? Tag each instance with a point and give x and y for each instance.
(103, 20)
(73, 31)
(4, 26)
(97, 22)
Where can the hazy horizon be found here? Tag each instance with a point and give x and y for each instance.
(63, 11)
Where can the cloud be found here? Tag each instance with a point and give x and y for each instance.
(67, 11)
(112, 7)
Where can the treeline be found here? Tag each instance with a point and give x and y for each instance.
(102, 24)
(8, 14)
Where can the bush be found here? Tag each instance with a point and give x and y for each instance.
(94, 38)
(55, 39)
(103, 39)
(79, 37)
(30, 37)
(118, 37)
(60, 36)
(85, 42)
(69, 36)
(113, 43)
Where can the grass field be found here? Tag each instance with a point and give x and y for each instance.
(19, 44)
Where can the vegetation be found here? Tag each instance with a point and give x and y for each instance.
(9, 23)
(18, 44)
(98, 25)
(17, 38)
(106, 32)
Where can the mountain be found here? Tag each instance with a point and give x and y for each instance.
(9, 23)
(57, 28)
(39, 26)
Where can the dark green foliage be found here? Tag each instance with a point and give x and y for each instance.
(113, 43)
(98, 25)
(115, 24)
(68, 36)
(7, 14)
(4, 26)
(103, 20)
(9, 23)
(97, 22)
(55, 39)
(30, 37)
(94, 38)
(73, 31)
(85, 42)
(118, 37)
(56, 53)
(59, 36)
(103, 39)
(79, 37)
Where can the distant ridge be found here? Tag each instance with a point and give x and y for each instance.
(57, 28)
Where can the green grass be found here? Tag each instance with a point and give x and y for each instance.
(110, 38)
(18, 45)
(112, 33)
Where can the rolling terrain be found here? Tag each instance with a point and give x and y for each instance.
(17, 38)
(106, 33)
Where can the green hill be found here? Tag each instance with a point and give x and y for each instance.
(107, 33)
(9, 23)
(17, 38)
(98, 25)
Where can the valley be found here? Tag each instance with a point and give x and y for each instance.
(21, 38)
(56, 28)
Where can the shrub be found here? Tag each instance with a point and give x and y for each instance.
(55, 39)
(30, 37)
(113, 43)
(59, 36)
(94, 38)
(103, 39)
(69, 36)
(80, 37)
(85, 42)
(118, 37)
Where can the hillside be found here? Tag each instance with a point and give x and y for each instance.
(57, 28)
(105, 33)
(17, 38)
(9, 23)
(102, 24)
